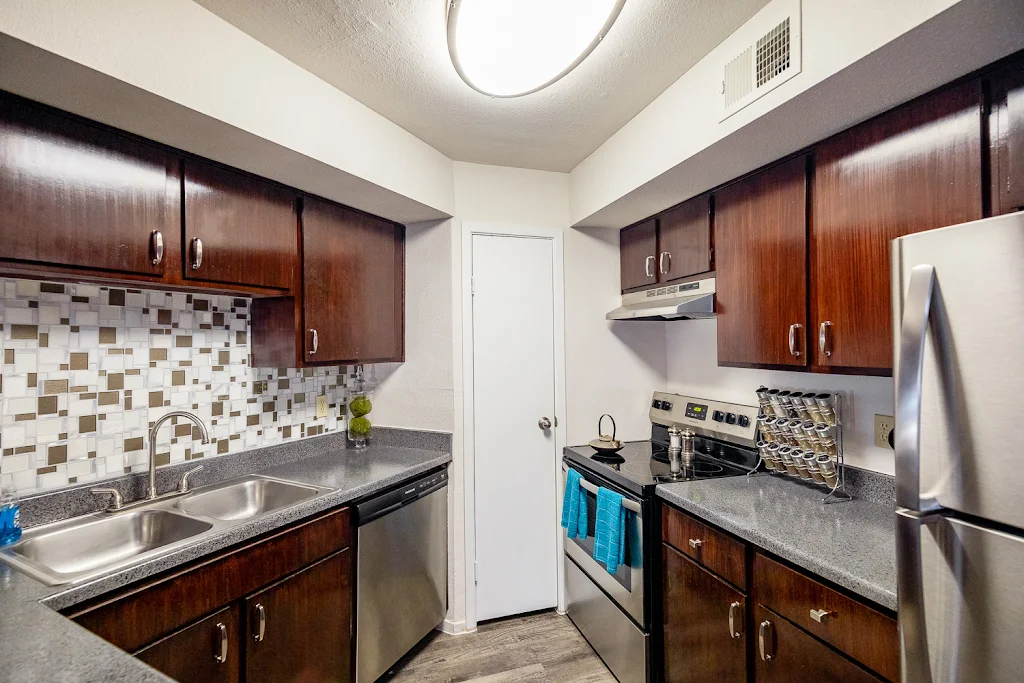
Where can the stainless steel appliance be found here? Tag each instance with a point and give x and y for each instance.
(402, 571)
(690, 300)
(617, 612)
(958, 305)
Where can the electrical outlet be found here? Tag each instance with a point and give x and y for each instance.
(321, 406)
(884, 424)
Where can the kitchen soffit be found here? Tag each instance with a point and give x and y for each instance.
(393, 57)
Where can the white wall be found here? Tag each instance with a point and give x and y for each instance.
(693, 369)
(172, 71)
(859, 59)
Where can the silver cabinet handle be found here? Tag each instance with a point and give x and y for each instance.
(824, 342)
(909, 377)
(197, 253)
(764, 641)
(695, 543)
(316, 341)
(793, 329)
(261, 623)
(820, 615)
(544, 423)
(647, 266)
(661, 262)
(221, 654)
(183, 484)
(156, 246)
(734, 609)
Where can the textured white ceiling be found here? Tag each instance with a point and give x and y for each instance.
(392, 55)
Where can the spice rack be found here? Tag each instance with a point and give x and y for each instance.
(801, 436)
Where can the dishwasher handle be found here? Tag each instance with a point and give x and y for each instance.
(399, 497)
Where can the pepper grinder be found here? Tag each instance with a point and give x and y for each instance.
(675, 449)
(686, 446)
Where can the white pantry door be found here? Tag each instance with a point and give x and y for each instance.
(513, 388)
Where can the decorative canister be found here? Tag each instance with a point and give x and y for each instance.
(359, 406)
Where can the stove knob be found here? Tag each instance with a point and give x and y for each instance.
(730, 418)
(666, 405)
(718, 416)
(743, 421)
(656, 404)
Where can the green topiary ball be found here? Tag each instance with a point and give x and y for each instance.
(360, 406)
(359, 426)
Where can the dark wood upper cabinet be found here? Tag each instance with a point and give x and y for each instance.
(760, 263)
(789, 655)
(353, 282)
(638, 255)
(699, 645)
(238, 229)
(915, 168)
(205, 652)
(1006, 133)
(684, 235)
(300, 629)
(77, 195)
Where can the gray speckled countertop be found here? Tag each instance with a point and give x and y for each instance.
(852, 544)
(38, 644)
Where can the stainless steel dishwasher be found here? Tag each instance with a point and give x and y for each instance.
(402, 579)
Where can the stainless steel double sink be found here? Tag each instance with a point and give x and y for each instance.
(76, 550)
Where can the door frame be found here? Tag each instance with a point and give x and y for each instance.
(469, 229)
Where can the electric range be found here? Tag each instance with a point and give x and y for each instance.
(617, 612)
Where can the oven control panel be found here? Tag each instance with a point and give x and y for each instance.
(727, 421)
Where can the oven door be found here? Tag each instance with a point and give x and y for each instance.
(626, 585)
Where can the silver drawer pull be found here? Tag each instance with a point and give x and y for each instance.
(221, 655)
(197, 253)
(261, 623)
(156, 245)
(792, 339)
(661, 262)
(695, 543)
(764, 641)
(316, 341)
(648, 264)
(820, 615)
(824, 343)
(734, 611)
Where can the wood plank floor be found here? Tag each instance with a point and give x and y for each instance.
(537, 647)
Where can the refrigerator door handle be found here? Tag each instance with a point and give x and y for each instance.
(909, 379)
(915, 662)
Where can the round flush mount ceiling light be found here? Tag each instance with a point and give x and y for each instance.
(508, 48)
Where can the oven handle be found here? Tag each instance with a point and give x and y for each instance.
(626, 502)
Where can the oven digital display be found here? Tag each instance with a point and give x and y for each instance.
(696, 411)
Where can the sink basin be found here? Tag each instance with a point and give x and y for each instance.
(246, 499)
(77, 548)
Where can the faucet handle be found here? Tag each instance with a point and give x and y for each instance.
(183, 486)
(116, 501)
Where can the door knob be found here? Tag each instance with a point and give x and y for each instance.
(544, 423)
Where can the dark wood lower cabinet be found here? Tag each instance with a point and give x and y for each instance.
(785, 654)
(702, 642)
(300, 629)
(205, 652)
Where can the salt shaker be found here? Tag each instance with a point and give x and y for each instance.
(675, 449)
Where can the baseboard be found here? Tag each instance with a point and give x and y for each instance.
(454, 628)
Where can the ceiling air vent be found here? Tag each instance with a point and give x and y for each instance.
(769, 57)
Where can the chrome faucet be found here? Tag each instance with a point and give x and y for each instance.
(151, 492)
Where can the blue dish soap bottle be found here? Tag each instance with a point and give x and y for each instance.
(10, 517)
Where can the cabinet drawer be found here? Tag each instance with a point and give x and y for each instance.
(865, 634)
(714, 549)
(160, 606)
(205, 652)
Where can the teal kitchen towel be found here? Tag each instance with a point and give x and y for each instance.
(610, 530)
(574, 506)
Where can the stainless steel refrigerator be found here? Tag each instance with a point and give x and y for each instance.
(958, 307)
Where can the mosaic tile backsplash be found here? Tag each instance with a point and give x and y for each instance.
(87, 369)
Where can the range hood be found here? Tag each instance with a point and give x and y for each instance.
(690, 300)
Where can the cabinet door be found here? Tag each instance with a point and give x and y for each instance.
(761, 271)
(685, 239)
(638, 247)
(206, 652)
(354, 274)
(1006, 132)
(238, 229)
(785, 654)
(699, 645)
(300, 629)
(74, 194)
(915, 168)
